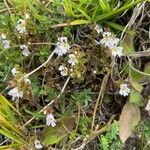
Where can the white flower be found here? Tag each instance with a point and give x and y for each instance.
(109, 40)
(147, 108)
(62, 46)
(124, 90)
(15, 93)
(3, 36)
(37, 144)
(50, 121)
(27, 81)
(14, 71)
(21, 26)
(27, 16)
(99, 29)
(73, 61)
(25, 50)
(116, 50)
(6, 44)
(63, 70)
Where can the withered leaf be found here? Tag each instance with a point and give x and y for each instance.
(129, 118)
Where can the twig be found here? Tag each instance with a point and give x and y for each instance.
(100, 95)
(7, 7)
(4, 141)
(62, 90)
(139, 54)
(95, 134)
(46, 62)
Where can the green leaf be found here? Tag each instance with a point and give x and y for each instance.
(130, 116)
(147, 68)
(121, 28)
(138, 87)
(52, 135)
(128, 44)
(117, 11)
(104, 5)
(6, 106)
(135, 97)
(79, 22)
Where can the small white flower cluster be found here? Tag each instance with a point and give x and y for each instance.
(110, 41)
(72, 60)
(5, 42)
(99, 29)
(124, 90)
(62, 47)
(63, 70)
(15, 93)
(37, 144)
(25, 50)
(21, 24)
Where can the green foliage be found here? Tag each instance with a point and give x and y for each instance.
(52, 135)
(50, 19)
(10, 128)
(111, 139)
(83, 97)
(84, 122)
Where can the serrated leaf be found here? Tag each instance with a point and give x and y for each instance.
(130, 116)
(52, 135)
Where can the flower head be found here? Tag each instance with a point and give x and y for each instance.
(21, 26)
(116, 50)
(147, 108)
(14, 71)
(27, 16)
(15, 93)
(63, 70)
(50, 120)
(109, 40)
(73, 61)
(25, 50)
(26, 80)
(37, 144)
(124, 90)
(62, 46)
(3, 36)
(99, 29)
(5, 42)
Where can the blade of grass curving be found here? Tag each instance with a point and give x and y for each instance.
(68, 7)
(115, 12)
(11, 135)
(104, 5)
(84, 14)
(4, 100)
(120, 28)
(7, 124)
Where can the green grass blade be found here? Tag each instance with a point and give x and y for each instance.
(115, 12)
